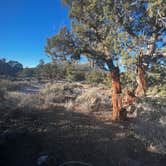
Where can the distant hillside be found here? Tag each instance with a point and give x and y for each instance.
(10, 68)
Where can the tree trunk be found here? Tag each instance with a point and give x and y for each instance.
(116, 90)
(141, 82)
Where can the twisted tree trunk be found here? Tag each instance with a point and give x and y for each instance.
(141, 81)
(116, 90)
(119, 102)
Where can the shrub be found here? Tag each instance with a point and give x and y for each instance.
(107, 80)
(95, 77)
(78, 76)
(69, 71)
(94, 99)
(31, 101)
(59, 92)
(2, 93)
(159, 90)
(9, 85)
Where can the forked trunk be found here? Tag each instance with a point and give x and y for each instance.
(116, 90)
(141, 82)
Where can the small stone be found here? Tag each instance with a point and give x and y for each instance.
(42, 159)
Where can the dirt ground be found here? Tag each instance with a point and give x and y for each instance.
(59, 136)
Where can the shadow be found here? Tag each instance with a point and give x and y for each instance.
(63, 136)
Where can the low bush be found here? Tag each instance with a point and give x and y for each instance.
(157, 90)
(94, 99)
(31, 101)
(78, 76)
(2, 93)
(11, 85)
(58, 92)
(95, 77)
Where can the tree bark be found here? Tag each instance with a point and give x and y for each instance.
(141, 82)
(116, 90)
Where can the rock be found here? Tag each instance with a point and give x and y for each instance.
(42, 160)
(162, 120)
(47, 160)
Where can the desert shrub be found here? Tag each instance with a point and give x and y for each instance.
(9, 85)
(49, 71)
(31, 101)
(2, 93)
(75, 76)
(69, 71)
(107, 80)
(95, 77)
(94, 99)
(151, 115)
(59, 92)
(11, 101)
(78, 76)
(159, 90)
(15, 97)
(24, 101)
(28, 72)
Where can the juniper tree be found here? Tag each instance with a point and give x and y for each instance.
(106, 31)
(146, 22)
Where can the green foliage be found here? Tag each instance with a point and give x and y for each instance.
(156, 8)
(95, 33)
(28, 72)
(157, 81)
(107, 80)
(128, 80)
(110, 32)
(96, 77)
(79, 76)
(69, 71)
(159, 90)
(8, 85)
(71, 74)
(49, 71)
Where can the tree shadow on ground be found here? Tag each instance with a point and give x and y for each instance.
(69, 136)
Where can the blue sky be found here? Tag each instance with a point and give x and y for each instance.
(25, 25)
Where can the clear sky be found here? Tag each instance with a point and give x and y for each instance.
(25, 25)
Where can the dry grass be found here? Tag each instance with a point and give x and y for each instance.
(149, 125)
